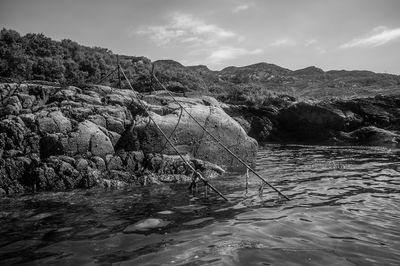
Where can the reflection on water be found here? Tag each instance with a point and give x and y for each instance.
(344, 210)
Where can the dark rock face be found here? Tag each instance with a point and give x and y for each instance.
(59, 138)
(311, 121)
(363, 121)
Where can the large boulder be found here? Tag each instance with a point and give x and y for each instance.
(88, 138)
(189, 137)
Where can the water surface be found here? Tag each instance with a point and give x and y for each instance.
(344, 210)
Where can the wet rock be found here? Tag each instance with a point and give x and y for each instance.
(13, 174)
(112, 183)
(374, 136)
(91, 178)
(174, 178)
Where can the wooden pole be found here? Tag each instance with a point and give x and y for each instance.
(216, 140)
(119, 73)
(170, 142)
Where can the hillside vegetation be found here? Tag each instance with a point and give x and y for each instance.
(37, 57)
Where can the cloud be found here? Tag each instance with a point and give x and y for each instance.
(185, 28)
(377, 37)
(198, 40)
(227, 53)
(283, 42)
(310, 42)
(240, 8)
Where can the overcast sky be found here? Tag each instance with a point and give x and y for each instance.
(335, 34)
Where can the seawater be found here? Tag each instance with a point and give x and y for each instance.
(344, 210)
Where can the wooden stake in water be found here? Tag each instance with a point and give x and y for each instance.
(247, 180)
(261, 189)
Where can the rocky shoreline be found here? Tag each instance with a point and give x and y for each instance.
(357, 121)
(59, 138)
(56, 138)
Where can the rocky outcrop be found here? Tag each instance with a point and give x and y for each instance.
(58, 138)
(358, 121)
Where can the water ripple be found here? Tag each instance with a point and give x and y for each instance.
(344, 210)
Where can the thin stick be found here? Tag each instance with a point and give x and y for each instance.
(247, 179)
(220, 143)
(106, 76)
(172, 145)
(119, 73)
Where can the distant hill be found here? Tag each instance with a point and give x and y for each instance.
(310, 82)
(37, 57)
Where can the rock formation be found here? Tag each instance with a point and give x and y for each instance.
(57, 138)
(357, 121)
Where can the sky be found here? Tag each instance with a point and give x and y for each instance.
(334, 34)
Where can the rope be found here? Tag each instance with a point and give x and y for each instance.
(169, 141)
(215, 139)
